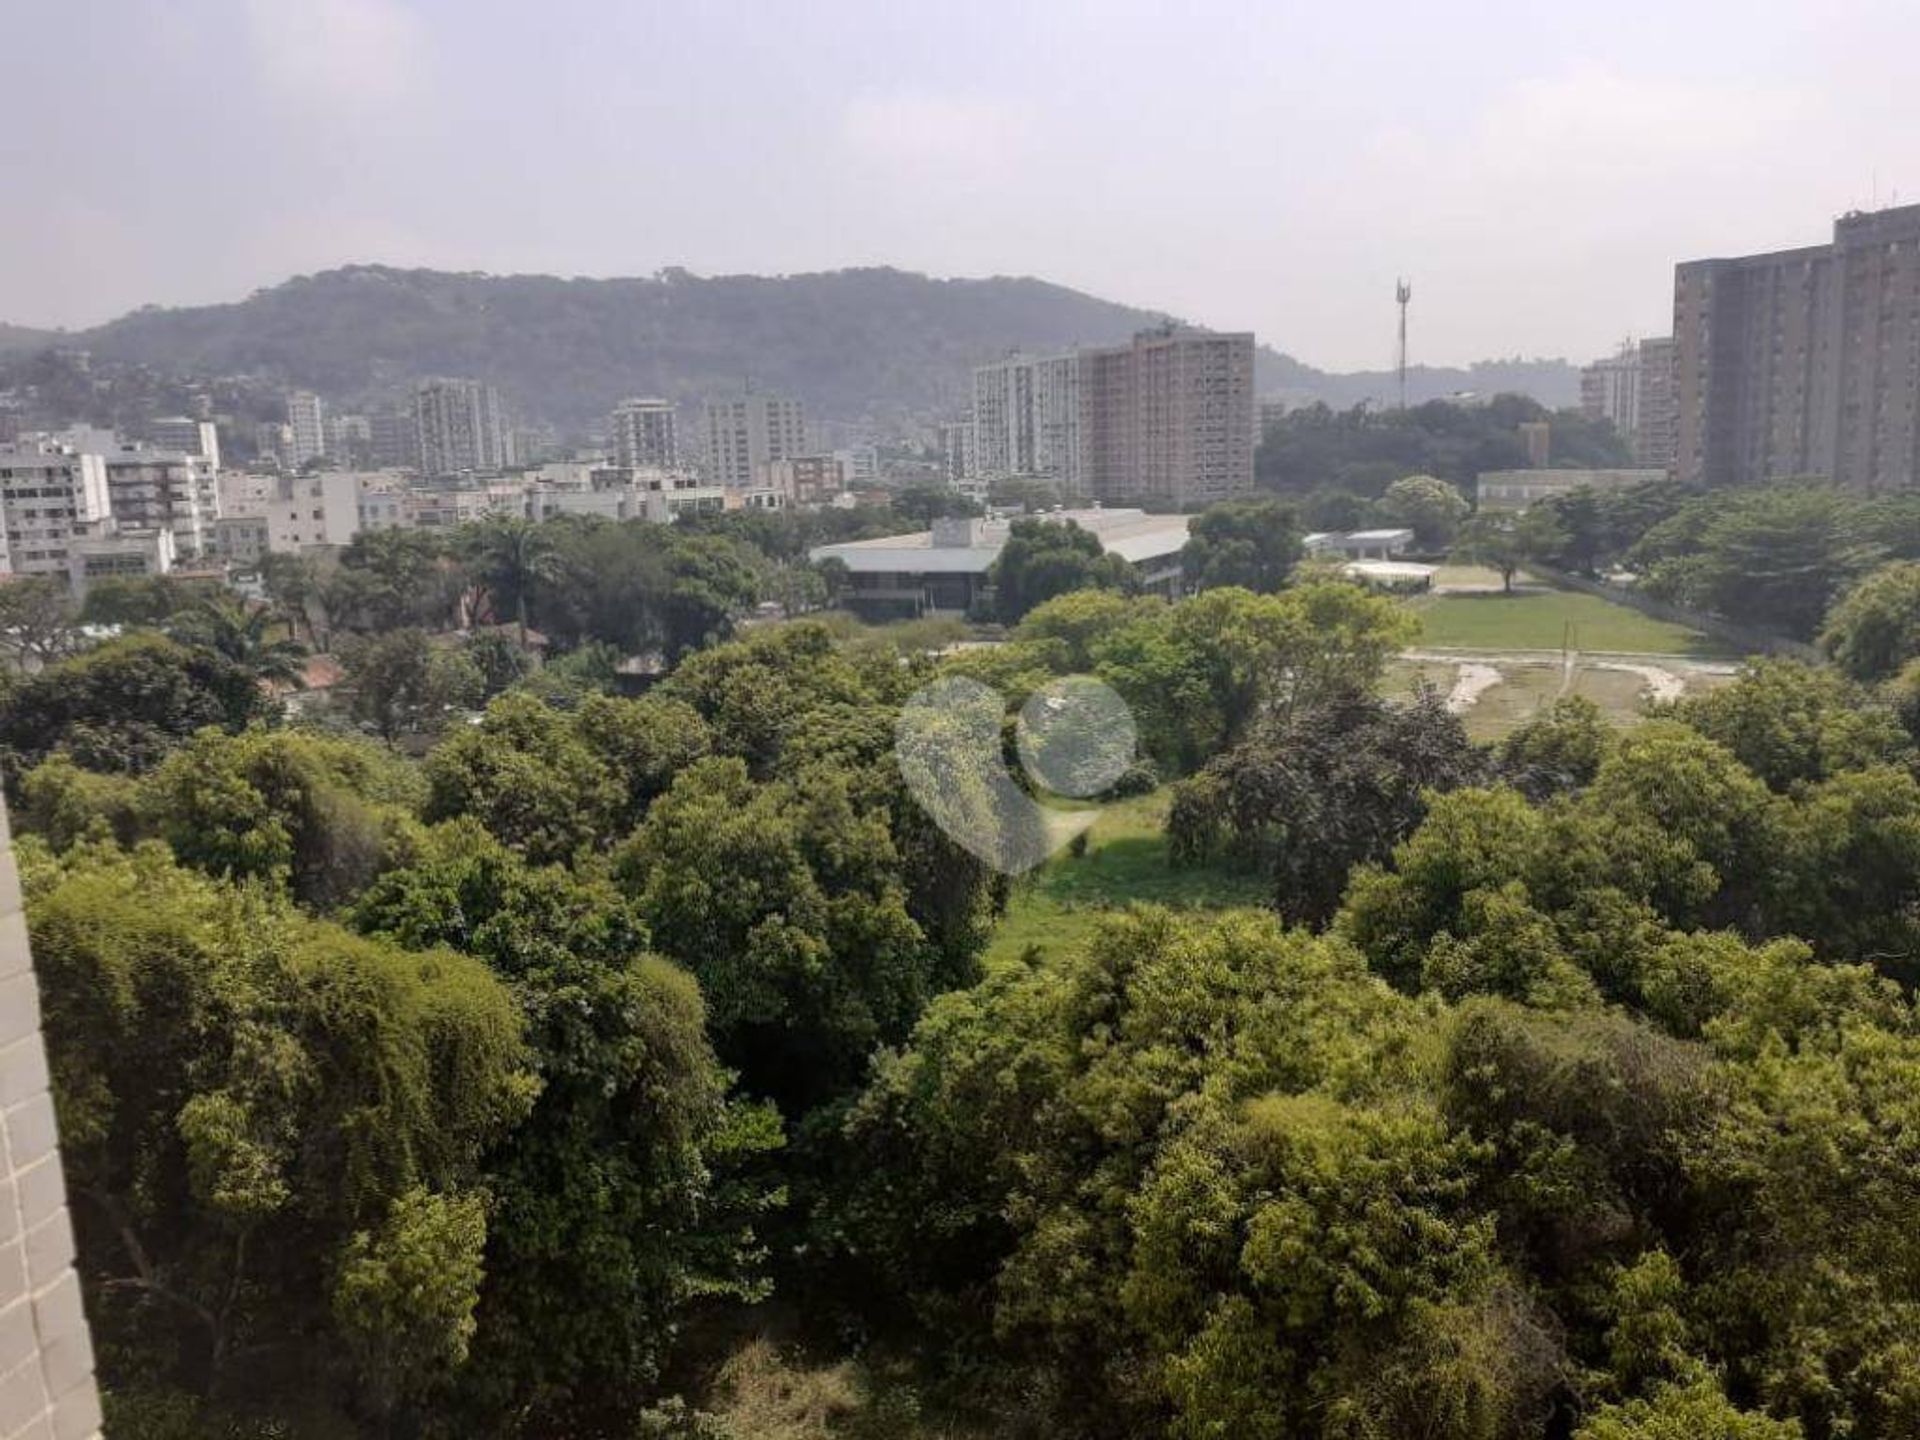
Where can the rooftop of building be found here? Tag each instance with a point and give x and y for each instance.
(1133, 535)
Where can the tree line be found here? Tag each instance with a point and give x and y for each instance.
(1564, 1088)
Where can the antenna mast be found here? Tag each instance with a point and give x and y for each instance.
(1402, 293)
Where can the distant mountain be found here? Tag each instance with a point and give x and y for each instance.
(1554, 383)
(849, 343)
(19, 337)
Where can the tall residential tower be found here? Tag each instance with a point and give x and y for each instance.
(1167, 420)
(1803, 362)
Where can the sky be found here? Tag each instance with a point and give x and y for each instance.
(1533, 168)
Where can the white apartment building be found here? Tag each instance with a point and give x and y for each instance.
(306, 420)
(50, 495)
(747, 431)
(199, 438)
(460, 425)
(957, 450)
(445, 506)
(154, 489)
(117, 554)
(644, 434)
(288, 514)
(1026, 419)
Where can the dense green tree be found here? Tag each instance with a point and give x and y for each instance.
(123, 705)
(39, 622)
(1558, 748)
(243, 634)
(1251, 543)
(242, 1092)
(1305, 800)
(147, 600)
(630, 1193)
(293, 586)
(1772, 558)
(787, 903)
(1045, 558)
(1789, 723)
(1505, 542)
(526, 775)
(401, 683)
(320, 814)
(392, 579)
(511, 558)
(1432, 507)
(916, 507)
(1874, 628)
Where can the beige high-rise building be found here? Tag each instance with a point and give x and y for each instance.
(1167, 420)
(1803, 362)
(748, 431)
(643, 435)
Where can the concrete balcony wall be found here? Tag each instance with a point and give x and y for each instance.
(46, 1356)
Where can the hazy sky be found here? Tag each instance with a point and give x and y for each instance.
(1534, 166)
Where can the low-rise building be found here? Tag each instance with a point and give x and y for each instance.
(805, 479)
(1387, 544)
(118, 554)
(1511, 490)
(944, 570)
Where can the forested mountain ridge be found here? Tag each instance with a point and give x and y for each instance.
(847, 342)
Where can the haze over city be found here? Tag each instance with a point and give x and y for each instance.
(1536, 170)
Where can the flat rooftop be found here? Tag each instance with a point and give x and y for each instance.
(1133, 535)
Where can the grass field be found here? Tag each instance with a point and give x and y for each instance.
(1056, 905)
(1547, 620)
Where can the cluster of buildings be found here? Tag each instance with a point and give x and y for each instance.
(1165, 421)
(1790, 364)
(87, 504)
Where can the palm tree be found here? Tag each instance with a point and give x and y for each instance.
(291, 585)
(510, 556)
(243, 634)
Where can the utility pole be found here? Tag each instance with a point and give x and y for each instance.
(1402, 293)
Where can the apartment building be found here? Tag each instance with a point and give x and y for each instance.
(306, 420)
(288, 514)
(393, 440)
(153, 489)
(118, 554)
(957, 460)
(745, 432)
(805, 479)
(643, 434)
(200, 438)
(1166, 421)
(1633, 390)
(1803, 362)
(50, 495)
(1027, 419)
(459, 426)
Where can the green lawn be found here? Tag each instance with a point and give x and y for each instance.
(1547, 620)
(1056, 905)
